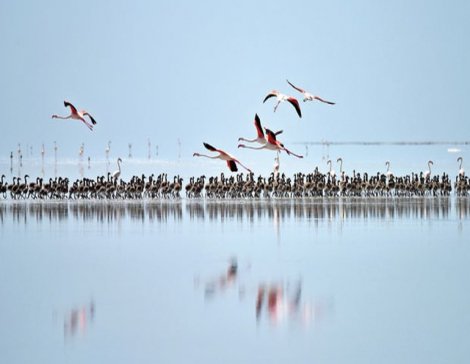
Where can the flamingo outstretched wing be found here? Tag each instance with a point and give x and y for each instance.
(258, 127)
(210, 147)
(93, 121)
(297, 88)
(72, 108)
(323, 100)
(270, 136)
(273, 93)
(295, 103)
(232, 165)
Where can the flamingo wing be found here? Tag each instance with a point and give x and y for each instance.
(271, 94)
(259, 129)
(232, 165)
(295, 103)
(323, 100)
(278, 132)
(210, 147)
(93, 121)
(297, 88)
(270, 136)
(72, 108)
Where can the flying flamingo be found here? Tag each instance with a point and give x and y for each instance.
(77, 115)
(231, 161)
(281, 98)
(272, 144)
(308, 96)
(260, 138)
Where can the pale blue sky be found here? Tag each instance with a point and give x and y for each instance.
(199, 71)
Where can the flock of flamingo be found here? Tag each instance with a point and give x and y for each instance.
(265, 137)
(314, 184)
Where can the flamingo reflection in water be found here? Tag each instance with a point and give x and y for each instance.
(280, 304)
(224, 281)
(76, 320)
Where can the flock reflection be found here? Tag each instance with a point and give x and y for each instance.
(77, 319)
(273, 302)
(251, 211)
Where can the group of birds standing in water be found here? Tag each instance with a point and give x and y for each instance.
(315, 184)
(242, 185)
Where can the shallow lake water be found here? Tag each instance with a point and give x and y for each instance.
(301, 281)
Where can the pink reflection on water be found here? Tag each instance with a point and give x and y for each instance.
(77, 319)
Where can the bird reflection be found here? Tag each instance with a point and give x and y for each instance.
(316, 211)
(224, 281)
(78, 318)
(279, 304)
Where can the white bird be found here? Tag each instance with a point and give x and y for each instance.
(389, 172)
(308, 96)
(331, 172)
(231, 160)
(340, 161)
(461, 170)
(281, 98)
(276, 166)
(76, 115)
(427, 174)
(116, 174)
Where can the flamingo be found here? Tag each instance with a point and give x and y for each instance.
(461, 170)
(308, 96)
(276, 166)
(389, 172)
(231, 161)
(272, 144)
(340, 161)
(260, 138)
(331, 172)
(281, 98)
(77, 115)
(427, 174)
(116, 174)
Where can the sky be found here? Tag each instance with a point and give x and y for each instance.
(199, 71)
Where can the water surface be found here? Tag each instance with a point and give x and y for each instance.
(321, 280)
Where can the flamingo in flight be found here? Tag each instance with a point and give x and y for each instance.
(260, 138)
(281, 98)
(77, 115)
(308, 96)
(272, 144)
(231, 161)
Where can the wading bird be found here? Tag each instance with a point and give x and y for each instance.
(77, 115)
(231, 161)
(272, 144)
(427, 174)
(117, 173)
(461, 170)
(308, 96)
(281, 98)
(260, 138)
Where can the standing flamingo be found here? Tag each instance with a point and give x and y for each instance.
(308, 96)
(427, 174)
(389, 172)
(281, 98)
(260, 138)
(231, 161)
(272, 144)
(117, 173)
(461, 170)
(76, 115)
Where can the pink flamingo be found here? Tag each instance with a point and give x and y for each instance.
(76, 115)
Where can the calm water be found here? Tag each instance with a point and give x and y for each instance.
(318, 281)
